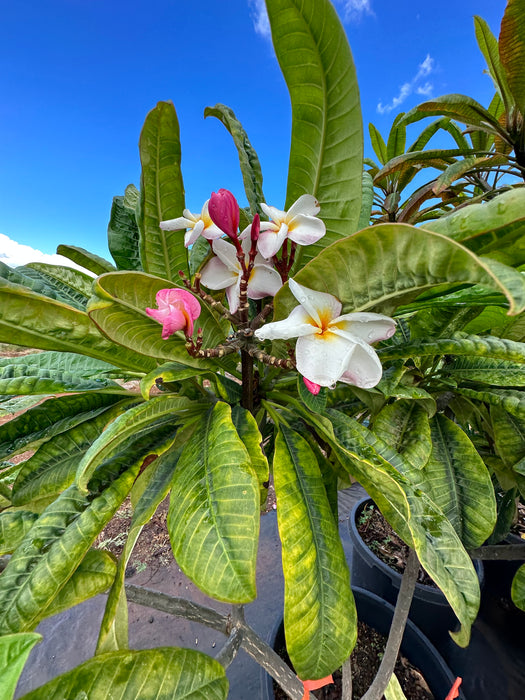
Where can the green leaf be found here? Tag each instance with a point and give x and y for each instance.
(327, 142)
(512, 401)
(486, 371)
(459, 107)
(455, 171)
(89, 261)
(123, 233)
(56, 544)
(213, 519)
(53, 466)
(518, 588)
(367, 201)
(378, 144)
(113, 633)
(71, 284)
(26, 379)
(35, 285)
(319, 611)
(54, 416)
(94, 575)
(417, 520)
(509, 435)
(479, 225)
(159, 411)
(249, 162)
(14, 526)
(404, 425)
(119, 310)
(456, 479)
(488, 45)
(397, 138)
(512, 49)
(386, 265)
(167, 373)
(14, 650)
(38, 322)
(161, 194)
(393, 691)
(248, 430)
(151, 674)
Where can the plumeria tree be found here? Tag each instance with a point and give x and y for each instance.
(288, 344)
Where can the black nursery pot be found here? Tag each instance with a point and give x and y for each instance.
(377, 613)
(430, 610)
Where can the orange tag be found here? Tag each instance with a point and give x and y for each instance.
(454, 691)
(315, 685)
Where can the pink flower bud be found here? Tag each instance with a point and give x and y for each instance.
(255, 227)
(177, 311)
(224, 212)
(311, 386)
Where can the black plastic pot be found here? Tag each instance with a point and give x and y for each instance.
(377, 613)
(430, 610)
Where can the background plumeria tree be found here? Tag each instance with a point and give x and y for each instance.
(407, 375)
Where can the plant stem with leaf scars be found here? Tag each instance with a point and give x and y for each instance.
(247, 380)
(347, 680)
(404, 599)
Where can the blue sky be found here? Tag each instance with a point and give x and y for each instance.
(79, 77)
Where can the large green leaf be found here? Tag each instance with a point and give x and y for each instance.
(161, 194)
(486, 371)
(151, 674)
(319, 611)
(511, 400)
(53, 466)
(36, 285)
(14, 526)
(479, 225)
(518, 588)
(14, 650)
(488, 45)
(119, 310)
(248, 160)
(94, 575)
(327, 142)
(37, 322)
(509, 435)
(404, 425)
(366, 201)
(159, 411)
(166, 374)
(386, 265)
(72, 285)
(213, 519)
(56, 544)
(459, 107)
(113, 633)
(512, 49)
(418, 521)
(54, 416)
(123, 232)
(89, 261)
(456, 479)
(20, 379)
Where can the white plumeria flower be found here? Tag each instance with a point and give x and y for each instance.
(330, 347)
(299, 224)
(198, 225)
(225, 271)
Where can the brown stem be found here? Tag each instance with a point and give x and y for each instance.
(404, 599)
(505, 552)
(247, 380)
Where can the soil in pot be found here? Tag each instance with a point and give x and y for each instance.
(366, 659)
(379, 537)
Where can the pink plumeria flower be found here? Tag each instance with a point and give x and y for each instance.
(299, 224)
(224, 212)
(225, 272)
(196, 225)
(331, 347)
(177, 311)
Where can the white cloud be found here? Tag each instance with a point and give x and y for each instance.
(414, 85)
(15, 254)
(259, 15)
(355, 9)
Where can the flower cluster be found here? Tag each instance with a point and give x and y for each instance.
(330, 346)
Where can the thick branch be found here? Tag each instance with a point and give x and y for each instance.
(229, 651)
(404, 599)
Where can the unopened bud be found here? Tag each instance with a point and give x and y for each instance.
(255, 227)
(224, 212)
